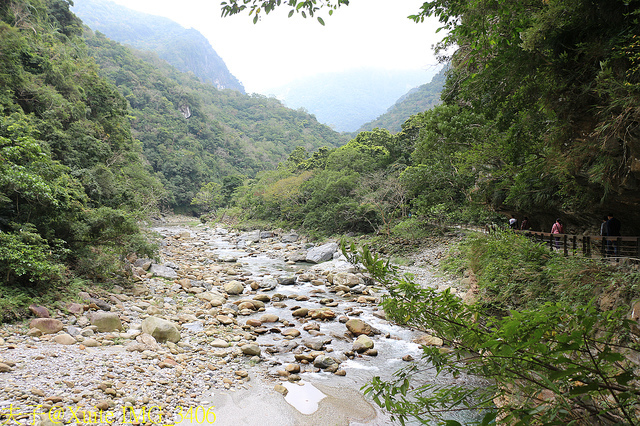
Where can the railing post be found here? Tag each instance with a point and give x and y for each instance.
(618, 247)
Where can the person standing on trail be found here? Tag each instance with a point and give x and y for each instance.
(525, 225)
(603, 226)
(513, 222)
(557, 228)
(613, 230)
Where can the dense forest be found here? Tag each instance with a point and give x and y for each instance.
(539, 117)
(95, 136)
(193, 133)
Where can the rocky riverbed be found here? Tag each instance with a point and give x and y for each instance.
(252, 328)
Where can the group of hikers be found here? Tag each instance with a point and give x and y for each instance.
(610, 227)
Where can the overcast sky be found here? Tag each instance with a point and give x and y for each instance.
(276, 50)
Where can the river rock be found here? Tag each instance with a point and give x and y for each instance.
(289, 238)
(161, 329)
(316, 343)
(106, 321)
(143, 264)
(64, 339)
(345, 279)
(323, 314)
(75, 308)
(219, 343)
(90, 343)
(267, 284)
(281, 389)
(286, 280)
(269, 318)
(300, 312)
(47, 325)
(163, 272)
(251, 349)
(233, 287)
(252, 237)
(39, 311)
(324, 361)
(292, 332)
(100, 303)
(363, 343)
(428, 340)
(321, 253)
(358, 327)
(34, 332)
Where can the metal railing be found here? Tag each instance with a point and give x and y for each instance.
(589, 245)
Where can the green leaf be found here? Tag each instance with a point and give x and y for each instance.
(321, 21)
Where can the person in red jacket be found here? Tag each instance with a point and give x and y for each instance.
(557, 228)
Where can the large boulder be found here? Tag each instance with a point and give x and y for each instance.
(106, 321)
(358, 327)
(161, 329)
(47, 325)
(345, 279)
(289, 238)
(321, 253)
(163, 272)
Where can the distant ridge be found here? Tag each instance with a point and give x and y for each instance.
(415, 101)
(185, 49)
(347, 99)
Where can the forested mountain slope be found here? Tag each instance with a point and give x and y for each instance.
(193, 133)
(415, 101)
(72, 178)
(185, 49)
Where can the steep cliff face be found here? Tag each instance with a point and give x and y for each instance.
(185, 49)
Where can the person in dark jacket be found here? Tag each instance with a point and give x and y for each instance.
(613, 230)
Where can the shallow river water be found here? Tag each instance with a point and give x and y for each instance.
(319, 398)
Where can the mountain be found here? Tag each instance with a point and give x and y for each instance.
(191, 132)
(185, 49)
(415, 101)
(346, 100)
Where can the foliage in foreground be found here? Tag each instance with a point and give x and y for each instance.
(556, 364)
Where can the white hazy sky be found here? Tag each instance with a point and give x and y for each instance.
(277, 50)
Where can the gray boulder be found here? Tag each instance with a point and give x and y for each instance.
(163, 271)
(106, 321)
(289, 238)
(161, 329)
(321, 253)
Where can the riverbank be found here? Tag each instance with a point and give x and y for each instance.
(254, 319)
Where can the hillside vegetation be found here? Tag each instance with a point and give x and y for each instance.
(193, 133)
(415, 101)
(73, 181)
(95, 136)
(539, 118)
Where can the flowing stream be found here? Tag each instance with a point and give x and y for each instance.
(320, 397)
